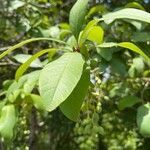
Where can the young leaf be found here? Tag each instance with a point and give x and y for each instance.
(96, 35)
(77, 16)
(7, 121)
(25, 65)
(127, 45)
(143, 119)
(71, 106)
(28, 41)
(59, 78)
(86, 31)
(127, 13)
(128, 101)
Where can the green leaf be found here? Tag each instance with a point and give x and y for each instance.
(26, 42)
(96, 9)
(20, 71)
(77, 17)
(90, 24)
(64, 33)
(134, 5)
(34, 75)
(141, 36)
(138, 25)
(106, 53)
(118, 66)
(7, 121)
(37, 102)
(86, 31)
(127, 45)
(16, 4)
(128, 101)
(96, 34)
(64, 26)
(143, 119)
(103, 65)
(53, 32)
(134, 48)
(72, 41)
(2, 104)
(71, 106)
(31, 81)
(25, 84)
(22, 58)
(127, 13)
(139, 64)
(13, 92)
(84, 51)
(132, 71)
(59, 78)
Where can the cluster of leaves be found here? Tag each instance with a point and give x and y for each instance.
(65, 76)
(31, 18)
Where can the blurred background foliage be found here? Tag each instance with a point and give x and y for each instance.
(115, 74)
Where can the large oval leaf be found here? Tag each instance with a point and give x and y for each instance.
(143, 119)
(127, 13)
(59, 78)
(7, 121)
(77, 16)
(71, 106)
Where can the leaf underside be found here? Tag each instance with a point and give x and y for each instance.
(58, 79)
